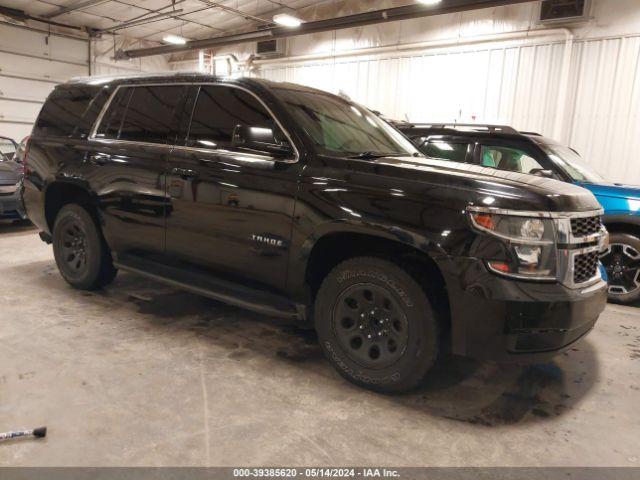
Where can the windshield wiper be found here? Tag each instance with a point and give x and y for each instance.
(372, 155)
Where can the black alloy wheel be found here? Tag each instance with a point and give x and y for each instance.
(370, 326)
(81, 252)
(376, 324)
(622, 263)
(74, 247)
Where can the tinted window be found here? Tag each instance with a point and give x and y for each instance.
(112, 119)
(510, 159)
(7, 149)
(446, 150)
(63, 114)
(150, 115)
(339, 127)
(219, 110)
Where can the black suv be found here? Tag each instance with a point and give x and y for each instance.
(293, 202)
(505, 148)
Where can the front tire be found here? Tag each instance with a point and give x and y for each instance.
(376, 325)
(622, 262)
(81, 253)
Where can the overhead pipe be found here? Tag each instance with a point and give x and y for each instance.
(349, 21)
(425, 45)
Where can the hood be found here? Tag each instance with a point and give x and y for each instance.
(487, 186)
(10, 173)
(616, 190)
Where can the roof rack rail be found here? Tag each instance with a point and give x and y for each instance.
(491, 128)
(535, 134)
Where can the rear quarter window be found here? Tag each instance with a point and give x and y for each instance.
(69, 111)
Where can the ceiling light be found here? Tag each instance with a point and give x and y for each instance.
(287, 20)
(430, 2)
(176, 40)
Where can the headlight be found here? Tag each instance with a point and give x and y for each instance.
(530, 244)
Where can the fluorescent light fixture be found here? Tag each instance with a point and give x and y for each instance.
(430, 2)
(287, 20)
(176, 40)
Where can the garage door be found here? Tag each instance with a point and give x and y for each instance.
(31, 63)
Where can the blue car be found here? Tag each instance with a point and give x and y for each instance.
(505, 148)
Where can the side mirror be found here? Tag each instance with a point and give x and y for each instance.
(541, 172)
(261, 139)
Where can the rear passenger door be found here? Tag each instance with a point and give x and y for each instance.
(127, 164)
(232, 207)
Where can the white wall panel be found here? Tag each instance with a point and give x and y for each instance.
(31, 63)
(605, 118)
(484, 85)
(516, 85)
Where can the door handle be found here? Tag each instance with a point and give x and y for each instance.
(184, 172)
(99, 158)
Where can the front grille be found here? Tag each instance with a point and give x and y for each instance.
(581, 227)
(585, 267)
(8, 206)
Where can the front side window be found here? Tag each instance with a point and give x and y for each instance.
(143, 114)
(444, 150)
(341, 128)
(509, 159)
(222, 112)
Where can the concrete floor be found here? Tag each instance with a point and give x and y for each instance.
(142, 374)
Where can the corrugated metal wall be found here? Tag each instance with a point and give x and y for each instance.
(31, 63)
(604, 121)
(516, 85)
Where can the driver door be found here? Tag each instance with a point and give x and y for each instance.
(232, 207)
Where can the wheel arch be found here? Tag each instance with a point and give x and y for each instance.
(60, 193)
(623, 225)
(335, 243)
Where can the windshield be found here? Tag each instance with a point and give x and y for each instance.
(339, 127)
(572, 164)
(7, 149)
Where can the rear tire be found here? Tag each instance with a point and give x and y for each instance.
(376, 325)
(622, 262)
(80, 250)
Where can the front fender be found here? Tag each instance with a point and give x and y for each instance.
(300, 259)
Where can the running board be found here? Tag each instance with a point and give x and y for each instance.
(213, 287)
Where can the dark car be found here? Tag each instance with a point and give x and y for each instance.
(10, 181)
(293, 202)
(504, 148)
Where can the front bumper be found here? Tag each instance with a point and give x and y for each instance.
(11, 207)
(501, 319)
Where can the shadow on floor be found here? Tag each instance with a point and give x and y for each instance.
(17, 227)
(483, 394)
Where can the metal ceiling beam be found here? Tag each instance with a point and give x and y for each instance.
(71, 8)
(349, 21)
(235, 11)
(139, 21)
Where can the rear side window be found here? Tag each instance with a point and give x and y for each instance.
(143, 114)
(112, 119)
(509, 159)
(446, 150)
(64, 114)
(218, 110)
